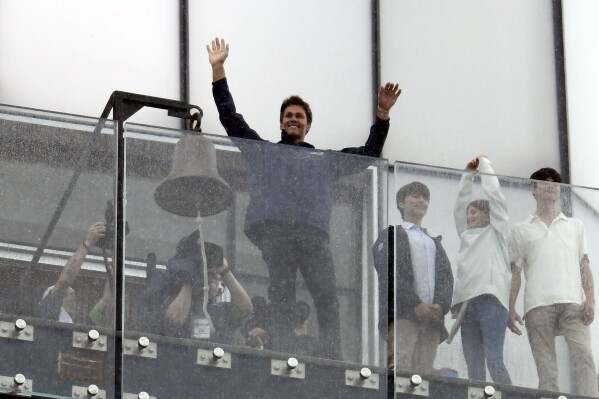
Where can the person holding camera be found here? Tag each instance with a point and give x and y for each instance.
(173, 300)
(59, 300)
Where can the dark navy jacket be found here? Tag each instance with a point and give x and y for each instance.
(294, 185)
(407, 298)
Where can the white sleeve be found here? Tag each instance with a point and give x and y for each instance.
(462, 201)
(497, 203)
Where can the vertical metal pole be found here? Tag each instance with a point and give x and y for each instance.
(119, 250)
(562, 105)
(375, 51)
(184, 55)
(560, 82)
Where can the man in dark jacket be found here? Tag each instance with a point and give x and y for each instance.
(423, 284)
(291, 198)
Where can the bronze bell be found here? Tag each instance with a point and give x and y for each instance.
(194, 185)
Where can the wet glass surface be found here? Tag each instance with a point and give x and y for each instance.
(57, 176)
(266, 211)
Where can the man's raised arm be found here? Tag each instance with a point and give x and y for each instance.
(73, 266)
(386, 99)
(233, 122)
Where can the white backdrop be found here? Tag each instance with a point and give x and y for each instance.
(477, 76)
(581, 33)
(70, 55)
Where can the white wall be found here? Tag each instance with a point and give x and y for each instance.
(70, 55)
(478, 77)
(582, 78)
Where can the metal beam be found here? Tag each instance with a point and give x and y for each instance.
(375, 51)
(184, 54)
(561, 91)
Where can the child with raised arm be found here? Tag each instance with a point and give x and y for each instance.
(483, 273)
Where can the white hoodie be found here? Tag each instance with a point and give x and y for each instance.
(483, 262)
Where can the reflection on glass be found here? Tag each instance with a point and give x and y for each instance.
(197, 274)
(189, 185)
(173, 300)
(182, 301)
(59, 301)
(56, 297)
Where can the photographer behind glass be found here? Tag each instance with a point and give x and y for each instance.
(173, 301)
(59, 300)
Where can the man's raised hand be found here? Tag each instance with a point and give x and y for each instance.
(218, 51)
(387, 97)
(388, 94)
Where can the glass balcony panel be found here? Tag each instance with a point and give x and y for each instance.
(316, 212)
(437, 217)
(57, 175)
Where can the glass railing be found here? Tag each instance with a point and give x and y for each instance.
(287, 233)
(470, 286)
(57, 175)
(213, 304)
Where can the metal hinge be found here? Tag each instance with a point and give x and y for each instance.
(214, 358)
(142, 347)
(141, 395)
(362, 379)
(17, 385)
(92, 340)
(289, 368)
(17, 330)
(89, 392)
(483, 393)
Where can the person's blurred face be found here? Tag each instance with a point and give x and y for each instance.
(295, 122)
(414, 207)
(546, 191)
(69, 302)
(476, 218)
(215, 285)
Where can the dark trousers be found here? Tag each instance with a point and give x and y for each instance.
(285, 249)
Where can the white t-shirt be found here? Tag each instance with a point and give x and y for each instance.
(63, 316)
(483, 262)
(550, 257)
